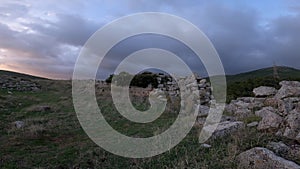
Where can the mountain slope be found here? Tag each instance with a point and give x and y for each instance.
(285, 73)
(4, 73)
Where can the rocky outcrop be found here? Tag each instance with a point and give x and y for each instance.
(280, 112)
(288, 89)
(279, 148)
(292, 127)
(270, 119)
(264, 91)
(17, 84)
(243, 107)
(262, 158)
(224, 128)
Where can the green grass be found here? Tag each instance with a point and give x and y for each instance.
(55, 139)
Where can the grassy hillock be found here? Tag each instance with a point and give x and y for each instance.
(243, 84)
(4, 73)
(284, 73)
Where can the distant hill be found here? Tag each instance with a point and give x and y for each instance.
(4, 73)
(242, 85)
(285, 73)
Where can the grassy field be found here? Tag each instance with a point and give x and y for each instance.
(54, 139)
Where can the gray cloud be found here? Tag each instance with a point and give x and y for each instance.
(242, 35)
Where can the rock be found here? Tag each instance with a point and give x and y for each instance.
(279, 148)
(294, 152)
(270, 120)
(288, 89)
(224, 128)
(271, 102)
(290, 83)
(203, 111)
(228, 118)
(19, 124)
(39, 108)
(205, 145)
(242, 107)
(262, 158)
(203, 81)
(298, 138)
(264, 91)
(238, 108)
(292, 122)
(288, 104)
(253, 124)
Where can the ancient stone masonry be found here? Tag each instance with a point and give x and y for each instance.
(18, 84)
(168, 84)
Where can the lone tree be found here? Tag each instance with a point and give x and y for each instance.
(140, 80)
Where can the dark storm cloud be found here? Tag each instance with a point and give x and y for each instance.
(70, 29)
(48, 39)
(285, 40)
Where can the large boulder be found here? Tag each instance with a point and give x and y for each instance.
(292, 122)
(271, 102)
(279, 148)
(288, 89)
(224, 128)
(288, 104)
(262, 158)
(270, 119)
(264, 91)
(290, 83)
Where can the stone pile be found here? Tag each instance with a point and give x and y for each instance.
(279, 111)
(17, 84)
(204, 87)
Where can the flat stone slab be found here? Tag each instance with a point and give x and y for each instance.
(224, 128)
(262, 158)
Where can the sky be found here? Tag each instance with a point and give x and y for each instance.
(44, 38)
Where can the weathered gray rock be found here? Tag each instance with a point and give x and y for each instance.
(270, 119)
(206, 146)
(203, 111)
(19, 124)
(224, 128)
(279, 148)
(264, 91)
(292, 122)
(242, 107)
(238, 108)
(298, 137)
(253, 124)
(288, 104)
(288, 89)
(271, 102)
(262, 158)
(290, 83)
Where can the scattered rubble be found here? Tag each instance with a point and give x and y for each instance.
(18, 84)
(262, 158)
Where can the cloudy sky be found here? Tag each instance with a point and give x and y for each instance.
(45, 37)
